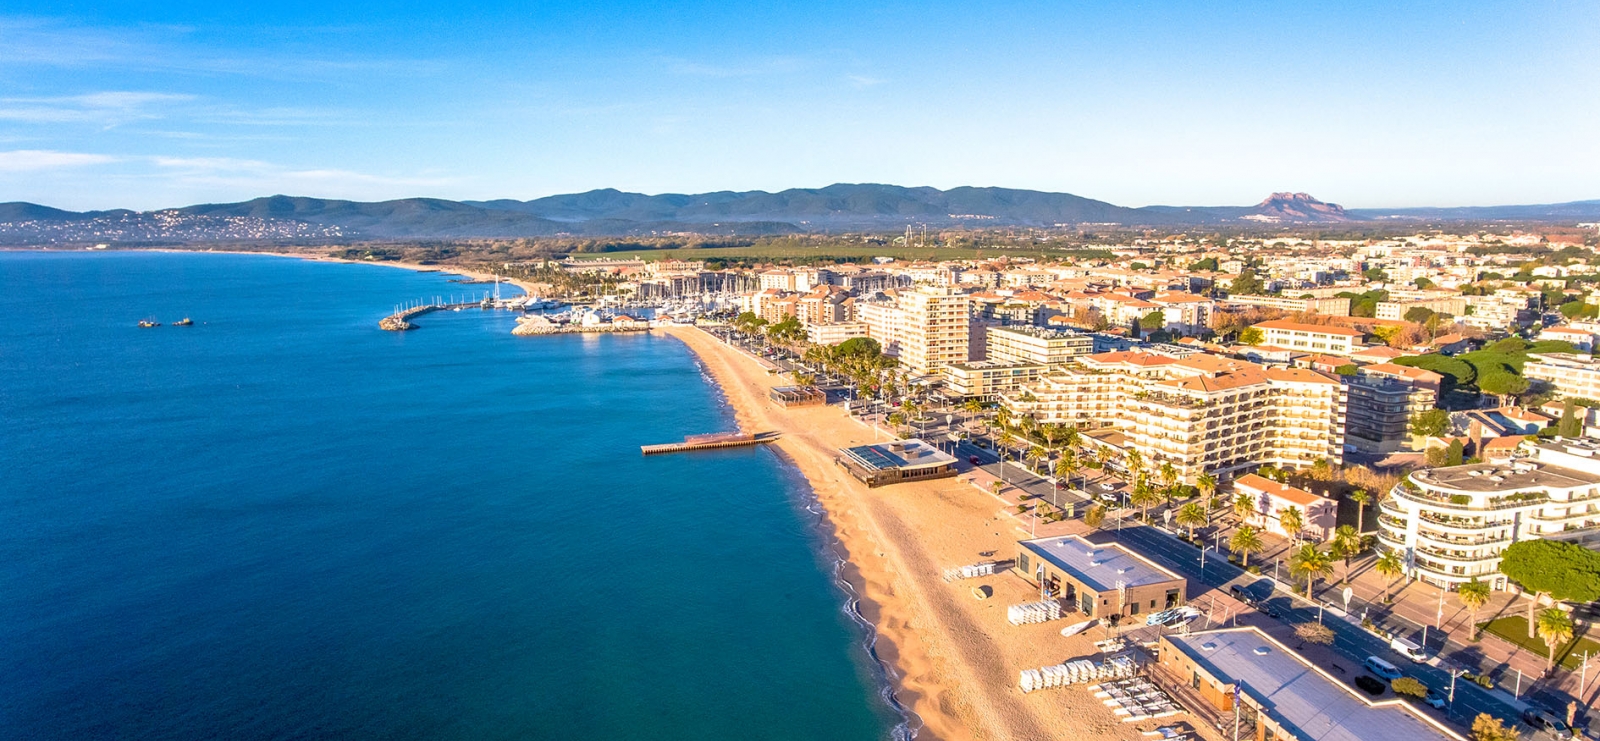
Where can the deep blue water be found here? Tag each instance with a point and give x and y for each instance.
(284, 523)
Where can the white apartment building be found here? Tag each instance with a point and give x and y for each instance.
(1333, 306)
(1571, 375)
(1316, 338)
(1024, 344)
(1451, 524)
(925, 328)
(1203, 413)
(1396, 310)
(1184, 313)
(833, 334)
(983, 379)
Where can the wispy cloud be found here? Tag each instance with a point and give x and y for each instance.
(34, 160)
(263, 176)
(863, 81)
(109, 108)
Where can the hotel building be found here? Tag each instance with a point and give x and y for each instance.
(1203, 413)
(1451, 524)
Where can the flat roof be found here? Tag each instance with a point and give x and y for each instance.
(901, 455)
(1297, 695)
(1505, 477)
(1098, 566)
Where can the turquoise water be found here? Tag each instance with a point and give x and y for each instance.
(283, 523)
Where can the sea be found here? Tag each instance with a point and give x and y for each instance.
(284, 523)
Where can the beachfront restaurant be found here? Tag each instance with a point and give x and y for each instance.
(1100, 580)
(1279, 695)
(895, 462)
(798, 396)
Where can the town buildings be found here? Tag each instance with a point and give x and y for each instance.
(926, 328)
(1319, 515)
(1314, 338)
(984, 379)
(1202, 414)
(1451, 524)
(1381, 399)
(1281, 695)
(1101, 580)
(1036, 345)
(1570, 375)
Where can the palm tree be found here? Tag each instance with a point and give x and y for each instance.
(1246, 540)
(1144, 498)
(1293, 522)
(1362, 499)
(1070, 438)
(1169, 474)
(1191, 516)
(1135, 462)
(1034, 455)
(1474, 594)
(973, 408)
(1346, 542)
(1310, 563)
(1555, 629)
(1243, 506)
(1207, 484)
(1095, 516)
(1067, 465)
(1390, 566)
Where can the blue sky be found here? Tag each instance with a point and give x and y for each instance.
(1367, 104)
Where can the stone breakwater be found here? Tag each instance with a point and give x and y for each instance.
(530, 326)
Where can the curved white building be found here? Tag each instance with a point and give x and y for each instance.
(1451, 524)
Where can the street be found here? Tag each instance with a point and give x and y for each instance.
(1351, 641)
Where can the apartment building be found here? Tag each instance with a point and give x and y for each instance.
(1571, 375)
(925, 328)
(1396, 310)
(835, 333)
(1316, 338)
(1333, 306)
(1040, 345)
(1202, 413)
(983, 379)
(1184, 313)
(1451, 524)
(1380, 401)
(1501, 309)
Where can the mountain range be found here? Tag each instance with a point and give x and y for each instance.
(610, 212)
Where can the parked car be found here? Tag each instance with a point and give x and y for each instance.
(1369, 685)
(1543, 720)
(973, 459)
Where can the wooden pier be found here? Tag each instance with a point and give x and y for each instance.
(709, 442)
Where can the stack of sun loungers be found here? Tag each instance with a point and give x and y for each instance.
(1076, 672)
(972, 571)
(1135, 699)
(1034, 612)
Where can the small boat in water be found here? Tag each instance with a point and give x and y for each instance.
(1076, 628)
(184, 322)
(149, 323)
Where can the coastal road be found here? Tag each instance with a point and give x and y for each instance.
(1351, 641)
(1019, 477)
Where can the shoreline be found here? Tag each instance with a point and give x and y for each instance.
(952, 660)
(527, 288)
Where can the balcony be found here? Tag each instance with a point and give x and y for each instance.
(1459, 542)
(1443, 555)
(1389, 540)
(1460, 523)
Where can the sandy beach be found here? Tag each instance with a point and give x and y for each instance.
(956, 658)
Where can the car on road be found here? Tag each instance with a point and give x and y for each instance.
(1369, 685)
(1544, 720)
(1270, 611)
(1434, 700)
(1382, 668)
(1110, 497)
(1408, 649)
